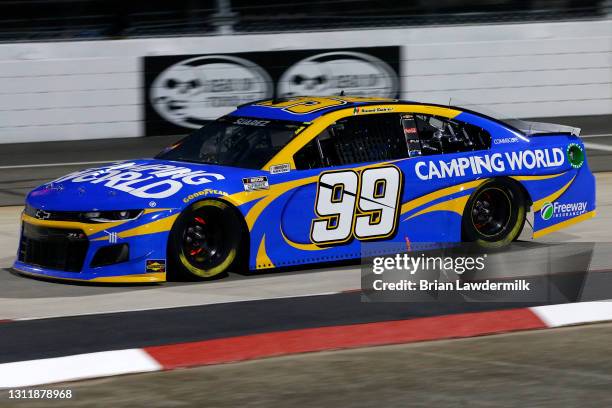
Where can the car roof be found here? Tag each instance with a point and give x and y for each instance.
(278, 108)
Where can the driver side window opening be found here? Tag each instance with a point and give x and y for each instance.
(427, 135)
(382, 137)
(355, 139)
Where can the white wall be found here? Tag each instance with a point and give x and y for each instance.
(87, 90)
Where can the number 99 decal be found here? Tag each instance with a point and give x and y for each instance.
(364, 206)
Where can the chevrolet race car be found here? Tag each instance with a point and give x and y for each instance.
(306, 180)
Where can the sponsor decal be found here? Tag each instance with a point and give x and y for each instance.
(490, 163)
(204, 193)
(363, 109)
(547, 211)
(76, 235)
(506, 140)
(575, 155)
(195, 90)
(252, 122)
(143, 180)
(562, 210)
(280, 168)
(255, 183)
(330, 73)
(155, 265)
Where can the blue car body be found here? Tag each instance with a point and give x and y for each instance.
(279, 214)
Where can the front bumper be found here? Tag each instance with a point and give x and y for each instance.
(66, 250)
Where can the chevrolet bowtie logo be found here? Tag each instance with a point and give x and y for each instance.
(43, 215)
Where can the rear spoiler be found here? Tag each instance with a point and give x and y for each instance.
(541, 128)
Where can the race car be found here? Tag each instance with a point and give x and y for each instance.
(305, 180)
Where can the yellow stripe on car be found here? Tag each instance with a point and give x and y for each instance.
(537, 205)
(532, 178)
(456, 205)
(263, 261)
(161, 225)
(138, 278)
(423, 200)
(88, 229)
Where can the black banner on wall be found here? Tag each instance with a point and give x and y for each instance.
(182, 92)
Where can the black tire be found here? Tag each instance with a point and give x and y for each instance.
(494, 215)
(205, 241)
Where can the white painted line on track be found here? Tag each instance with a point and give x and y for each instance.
(149, 308)
(598, 146)
(27, 166)
(76, 367)
(574, 313)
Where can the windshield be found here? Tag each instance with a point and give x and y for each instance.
(234, 141)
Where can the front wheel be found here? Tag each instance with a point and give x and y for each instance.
(494, 215)
(205, 241)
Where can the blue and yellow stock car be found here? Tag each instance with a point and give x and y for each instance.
(305, 180)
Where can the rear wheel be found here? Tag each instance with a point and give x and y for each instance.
(205, 241)
(494, 215)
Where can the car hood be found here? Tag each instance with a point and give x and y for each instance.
(138, 184)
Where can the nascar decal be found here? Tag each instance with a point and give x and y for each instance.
(362, 205)
(490, 163)
(255, 183)
(145, 180)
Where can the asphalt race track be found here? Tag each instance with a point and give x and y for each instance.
(125, 316)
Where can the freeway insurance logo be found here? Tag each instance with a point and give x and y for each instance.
(555, 209)
(547, 211)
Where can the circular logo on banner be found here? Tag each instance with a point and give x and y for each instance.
(195, 90)
(547, 211)
(575, 155)
(355, 73)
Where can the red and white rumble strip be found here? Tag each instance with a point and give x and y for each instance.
(226, 350)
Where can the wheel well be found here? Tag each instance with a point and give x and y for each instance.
(520, 186)
(245, 242)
